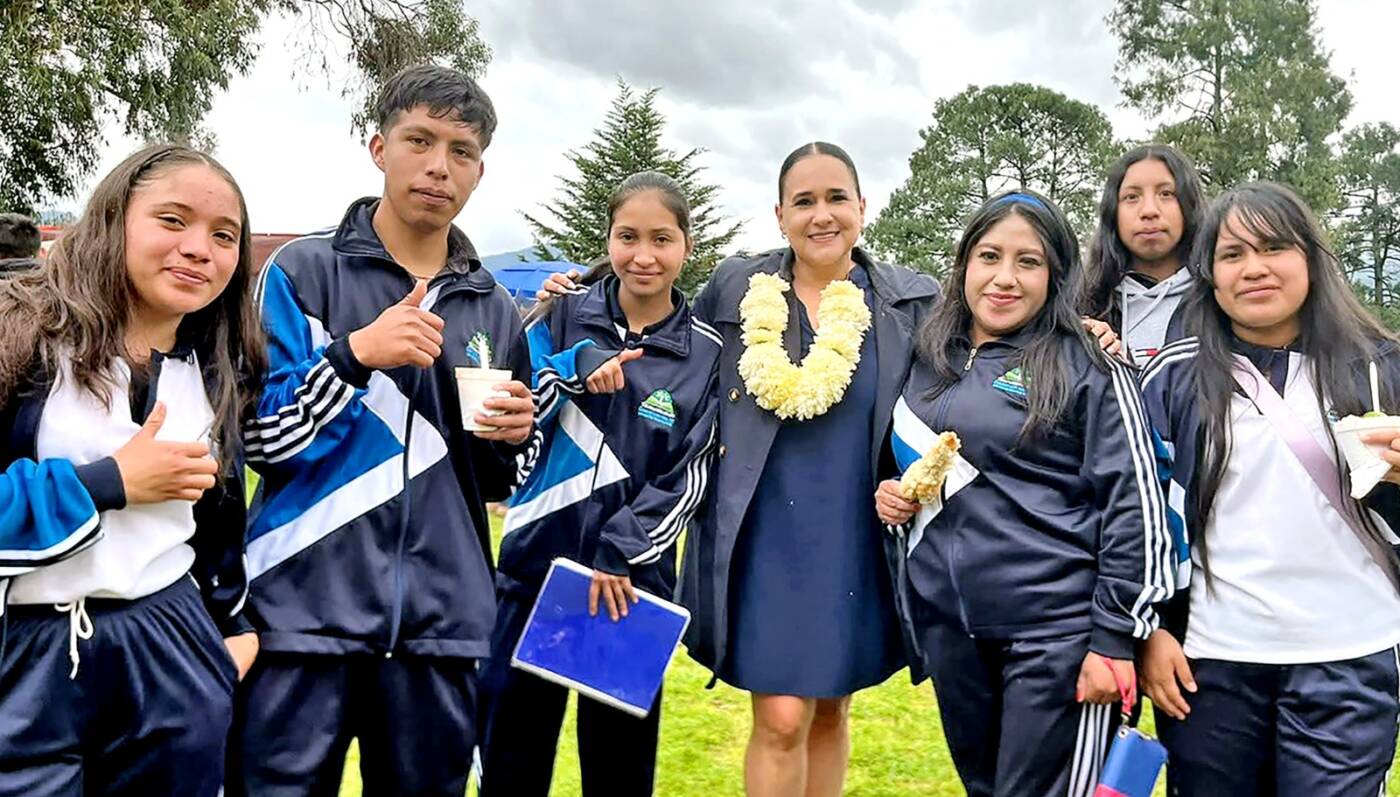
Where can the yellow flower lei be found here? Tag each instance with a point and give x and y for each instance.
(922, 481)
(808, 390)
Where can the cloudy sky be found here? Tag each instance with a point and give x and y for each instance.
(747, 81)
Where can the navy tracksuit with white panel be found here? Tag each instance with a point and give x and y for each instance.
(114, 678)
(369, 549)
(613, 481)
(1039, 551)
(1292, 713)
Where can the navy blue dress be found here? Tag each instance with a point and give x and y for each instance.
(811, 606)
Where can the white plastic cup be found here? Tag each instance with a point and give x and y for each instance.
(474, 387)
(1363, 459)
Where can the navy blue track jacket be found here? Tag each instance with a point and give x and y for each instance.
(371, 532)
(1059, 533)
(51, 509)
(614, 479)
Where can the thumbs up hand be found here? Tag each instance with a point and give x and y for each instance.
(154, 470)
(404, 334)
(415, 296)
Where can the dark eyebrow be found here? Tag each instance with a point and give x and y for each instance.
(189, 211)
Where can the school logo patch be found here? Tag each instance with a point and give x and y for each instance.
(1011, 383)
(480, 344)
(659, 409)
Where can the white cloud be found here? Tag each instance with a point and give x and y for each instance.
(746, 81)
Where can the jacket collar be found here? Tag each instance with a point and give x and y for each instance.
(1005, 345)
(356, 237)
(1272, 362)
(670, 335)
(890, 284)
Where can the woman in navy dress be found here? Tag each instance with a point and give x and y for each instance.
(786, 576)
(822, 625)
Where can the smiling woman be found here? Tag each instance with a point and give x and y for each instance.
(125, 366)
(790, 593)
(183, 232)
(1290, 605)
(1027, 591)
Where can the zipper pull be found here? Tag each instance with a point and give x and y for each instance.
(968, 365)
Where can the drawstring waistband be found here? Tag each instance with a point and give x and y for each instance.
(79, 627)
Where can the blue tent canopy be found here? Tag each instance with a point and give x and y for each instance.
(524, 279)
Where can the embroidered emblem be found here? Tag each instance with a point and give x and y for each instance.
(1011, 383)
(480, 343)
(659, 409)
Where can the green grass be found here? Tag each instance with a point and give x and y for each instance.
(897, 745)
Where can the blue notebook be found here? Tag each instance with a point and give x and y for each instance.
(621, 664)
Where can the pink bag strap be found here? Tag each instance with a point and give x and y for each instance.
(1127, 690)
(1320, 467)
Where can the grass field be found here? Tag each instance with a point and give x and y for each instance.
(897, 746)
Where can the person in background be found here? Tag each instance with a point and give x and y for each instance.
(1147, 219)
(19, 244)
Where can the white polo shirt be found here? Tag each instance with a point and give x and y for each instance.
(144, 548)
(1292, 584)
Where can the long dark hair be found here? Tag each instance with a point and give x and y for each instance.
(672, 195)
(74, 311)
(1109, 260)
(1335, 331)
(1042, 355)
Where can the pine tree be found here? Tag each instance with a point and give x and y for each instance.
(629, 142)
(1367, 226)
(1242, 86)
(981, 142)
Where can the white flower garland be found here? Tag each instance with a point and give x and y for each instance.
(819, 383)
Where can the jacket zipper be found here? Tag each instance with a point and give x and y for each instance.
(956, 547)
(396, 618)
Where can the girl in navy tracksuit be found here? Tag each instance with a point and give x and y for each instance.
(125, 369)
(646, 431)
(1029, 582)
(1277, 669)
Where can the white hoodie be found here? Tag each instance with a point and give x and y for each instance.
(1146, 312)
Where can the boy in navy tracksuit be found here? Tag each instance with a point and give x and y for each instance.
(369, 551)
(615, 479)
(1030, 579)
